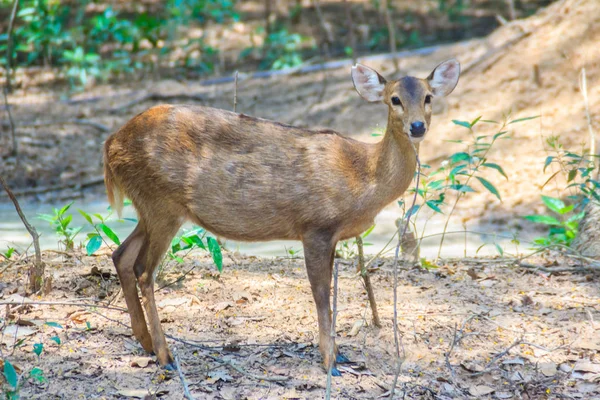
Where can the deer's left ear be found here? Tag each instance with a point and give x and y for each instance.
(444, 77)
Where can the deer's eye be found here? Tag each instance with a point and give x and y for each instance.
(428, 99)
(396, 101)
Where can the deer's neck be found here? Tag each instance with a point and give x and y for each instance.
(395, 162)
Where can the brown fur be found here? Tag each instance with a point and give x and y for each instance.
(250, 179)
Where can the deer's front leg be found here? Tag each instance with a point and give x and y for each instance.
(318, 255)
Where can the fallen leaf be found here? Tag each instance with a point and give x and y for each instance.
(141, 362)
(481, 390)
(13, 333)
(503, 395)
(547, 369)
(221, 306)
(356, 327)
(471, 272)
(472, 367)
(584, 366)
(514, 361)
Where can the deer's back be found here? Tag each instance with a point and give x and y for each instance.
(240, 177)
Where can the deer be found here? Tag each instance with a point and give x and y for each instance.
(250, 179)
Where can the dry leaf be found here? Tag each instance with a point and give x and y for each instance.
(471, 272)
(221, 306)
(585, 366)
(141, 362)
(513, 361)
(13, 333)
(481, 390)
(547, 369)
(356, 327)
(503, 395)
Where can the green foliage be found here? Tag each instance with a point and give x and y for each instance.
(195, 238)
(88, 45)
(61, 221)
(349, 248)
(8, 253)
(576, 170)
(96, 238)
(282, 50)
(563, 228)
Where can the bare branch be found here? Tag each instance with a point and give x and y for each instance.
(9, 44)
(14, 150)
(36, 272)
(186, 389)
(367, 281)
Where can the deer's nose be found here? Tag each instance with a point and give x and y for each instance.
(417, 128)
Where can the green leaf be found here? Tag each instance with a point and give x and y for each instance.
(457, 157)
(461, 188)
(514, 121)
(572, 175)
(65, 208)
(37, 375)
(576, 217)
(93, 244)
(462, 123)
(489, 186)
(499, 249)
(110, 234)
(54, 324)
(431, 204)
(56, 340)
(215, 252)
(412, 211)
(496, 167)
(549, 179)
(499, 134)
(475, 121)
(87, 216)
(542, 219)
(368, 232)
(548, 161)
(553, 203)
(38, 348)
(10, 374)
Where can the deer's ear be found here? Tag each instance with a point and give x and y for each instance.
(368, 83)
(444, 77)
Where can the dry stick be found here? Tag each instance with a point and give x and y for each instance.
(186, 389)
(36, 273)
(333, 318)
(367, 280)
(391, 33)
(351, 35)
(61, 303)
(399, 361)
(235, 91)
(9, 46)
(324, 26)
(584, 93)
(14, 151)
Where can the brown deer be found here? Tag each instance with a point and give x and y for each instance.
(251, 179)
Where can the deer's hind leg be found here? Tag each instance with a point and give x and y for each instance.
(158, 237)
(124, 259)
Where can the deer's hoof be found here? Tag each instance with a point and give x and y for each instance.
(170, 367)
(341, 359)
(335, 372)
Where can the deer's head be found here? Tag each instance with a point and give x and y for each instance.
(409, 98)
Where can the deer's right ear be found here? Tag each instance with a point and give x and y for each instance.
(368, 83)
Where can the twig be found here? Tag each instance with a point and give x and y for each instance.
(186, 389)
(399, 360)
(36, 272)
(14, 150)
(156, 97)
(235, 91)
(575, 268)
(324, 26)
(584, 93)
(332, 332)
(351, 35)
(9, 44)
(391, 33)
(367, 281)
(76, 121)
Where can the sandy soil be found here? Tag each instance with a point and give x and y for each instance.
(516, 334)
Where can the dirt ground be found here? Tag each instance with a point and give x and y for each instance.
(479, 329)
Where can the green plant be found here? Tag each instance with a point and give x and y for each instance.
(8, 253)
(349, 249)
(96, 238)
(13, 383)
(61, 222)
(196, 238)
(563, 228)
(283, 50)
